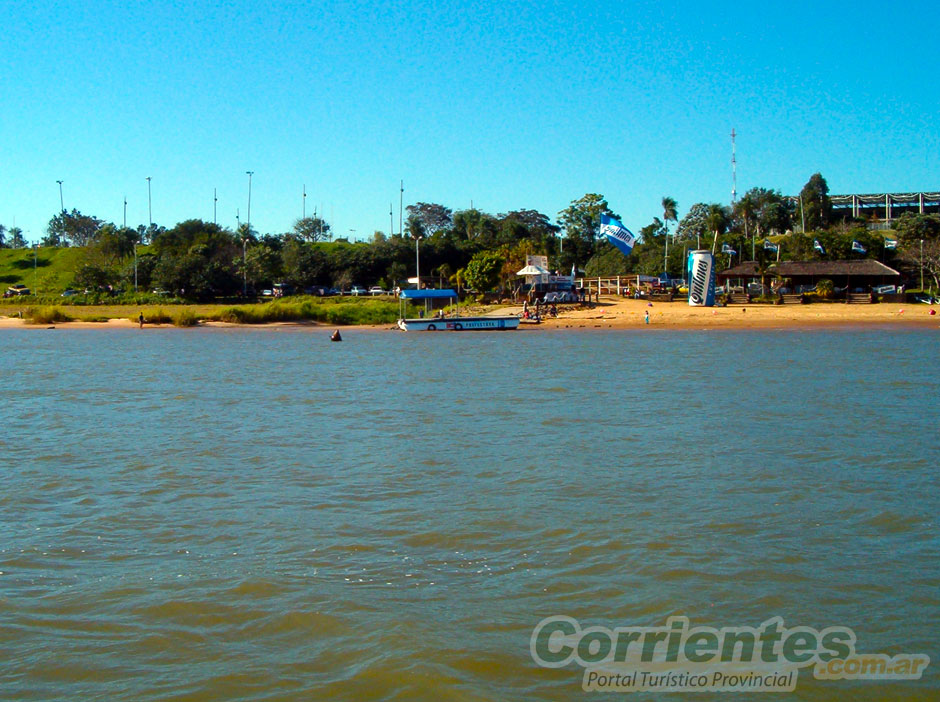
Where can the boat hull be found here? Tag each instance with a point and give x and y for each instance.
(459, 324)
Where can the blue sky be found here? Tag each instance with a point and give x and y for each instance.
(505, 105)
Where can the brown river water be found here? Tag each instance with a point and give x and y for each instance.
(263, 515)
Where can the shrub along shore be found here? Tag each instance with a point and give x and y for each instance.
(333, 311)
(610, 313)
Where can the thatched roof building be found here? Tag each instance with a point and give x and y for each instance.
(862, 273)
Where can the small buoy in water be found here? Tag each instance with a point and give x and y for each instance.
(335, 336)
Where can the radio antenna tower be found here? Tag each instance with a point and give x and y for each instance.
(734, 171)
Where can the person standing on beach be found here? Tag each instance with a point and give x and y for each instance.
(140, 319)
(646, 317)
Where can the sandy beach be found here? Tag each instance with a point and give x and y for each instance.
(620, 313)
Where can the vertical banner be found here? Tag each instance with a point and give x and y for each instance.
(701, 269)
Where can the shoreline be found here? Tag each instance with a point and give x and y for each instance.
(618, 313)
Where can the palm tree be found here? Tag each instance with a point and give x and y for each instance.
(670, 214)
(718, 220)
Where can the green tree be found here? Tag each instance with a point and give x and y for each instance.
(263, 265)
(815, 203)
(647, 255)
(429, 218)
(581, 221)
(670, 214)
(694, 225)
(670, 211)
(71, 229)
(312, 229)
(17, 240)
(112, 245)
(717, 220)
(474, 225)
(482, 273)
(911, 228)
(762, 211)
(93, 277)
(608, 260)
(304, 264)
(531, 225)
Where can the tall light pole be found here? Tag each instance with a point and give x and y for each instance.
(135, 243)
(245, 240)
(149, 204)
(391, 221)
(61, 200)
(215, 205)
(249, 174)
(304, 216)
(401, 201)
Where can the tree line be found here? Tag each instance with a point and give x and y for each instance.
(470, 248)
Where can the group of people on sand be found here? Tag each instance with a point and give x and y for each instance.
(527, 314)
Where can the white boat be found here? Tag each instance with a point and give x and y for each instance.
(456, 323)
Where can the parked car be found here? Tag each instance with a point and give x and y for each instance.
(376, 290)
(70, 293)
(155, 291)
(357, 290)
(15, 290)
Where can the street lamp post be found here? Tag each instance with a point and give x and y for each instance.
(245, 240)
(249, 173)
(61, 200)
(149, 204)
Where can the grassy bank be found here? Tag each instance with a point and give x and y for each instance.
(331, 311)
(334, 311)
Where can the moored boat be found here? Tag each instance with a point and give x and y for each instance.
(458, 323)
(431, 322)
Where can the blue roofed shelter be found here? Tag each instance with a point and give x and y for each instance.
(428, 295)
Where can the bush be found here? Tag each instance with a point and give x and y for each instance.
(347, 312)
(185, 318)
(46, 315)
(157, 316)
